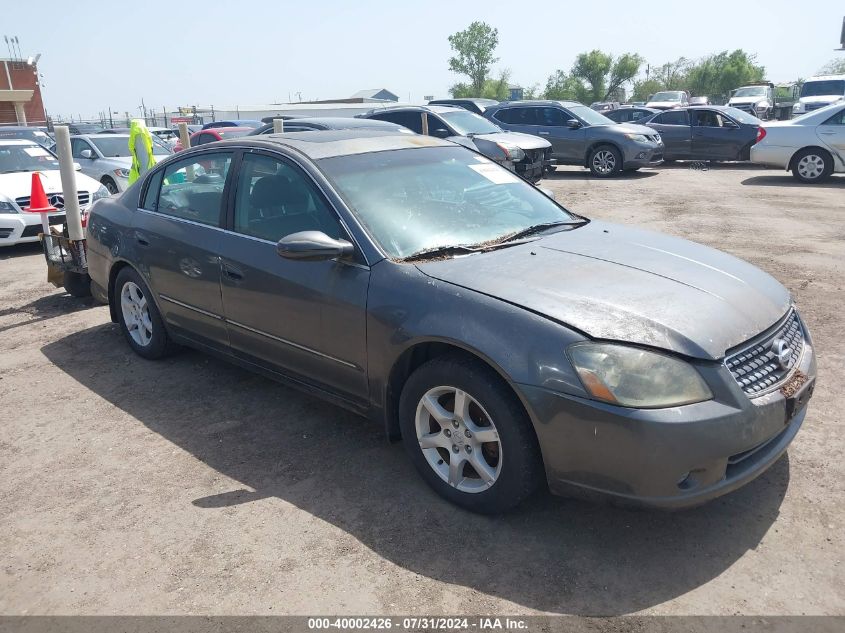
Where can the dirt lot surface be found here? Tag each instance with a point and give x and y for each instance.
(191, 486)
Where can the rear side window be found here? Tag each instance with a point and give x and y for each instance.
(517, 116)
(411, 120)
(836, 119)
(192, 189)
(673, 117)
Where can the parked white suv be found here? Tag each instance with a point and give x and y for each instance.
(18, 159)
(818, 92)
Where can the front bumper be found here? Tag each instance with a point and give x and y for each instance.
(670, 458)
(643, 155)
(20, 228)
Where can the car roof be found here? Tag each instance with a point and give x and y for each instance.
(107, 135)
(17, 141)
(435, 109)
(319, 144)
(225, 128)
(350, 122)
(539, 102)
(481, 100)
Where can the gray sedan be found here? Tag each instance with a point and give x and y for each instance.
(106, 157)
(506, 341)
(581, 136)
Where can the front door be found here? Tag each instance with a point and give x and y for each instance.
(177, 234)
(568, 144)
(715, 136)
(306, 319)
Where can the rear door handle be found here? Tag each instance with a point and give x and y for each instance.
(827, 133)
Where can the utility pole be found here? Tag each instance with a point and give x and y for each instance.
(111, 121)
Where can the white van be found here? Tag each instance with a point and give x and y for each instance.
(818, 92)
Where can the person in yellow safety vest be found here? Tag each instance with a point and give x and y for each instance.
(141, 149)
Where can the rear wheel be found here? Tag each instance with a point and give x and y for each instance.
(77, 284)
(605, 161)
(138, 316)
(468, 435)
(812, 165)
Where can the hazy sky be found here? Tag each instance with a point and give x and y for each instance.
(253, 52)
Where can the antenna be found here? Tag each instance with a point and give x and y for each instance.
(6, 37)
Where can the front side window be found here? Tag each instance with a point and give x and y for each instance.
(673, 117)
(552, 117)
(275, 199)
(414, 200)
(192, 189)
(77, 146)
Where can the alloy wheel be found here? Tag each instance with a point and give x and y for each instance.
(811, 166)
(136, 314)
(604, 162)
(458, 439)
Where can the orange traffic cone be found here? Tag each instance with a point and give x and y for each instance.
(38, 199)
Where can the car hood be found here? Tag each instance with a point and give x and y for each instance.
(624, 128)
(524, 141)
(745, 100)
(19, 184)
(663, 105)
(620, 283)
(827, 99)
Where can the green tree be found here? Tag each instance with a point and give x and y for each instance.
(492, 89)
(716, 75)
(833, 67)
(603, 74)
(645, 88)
(672, 75)
(565, 87)
(474, 48)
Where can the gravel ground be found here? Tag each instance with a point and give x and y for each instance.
(192, 486)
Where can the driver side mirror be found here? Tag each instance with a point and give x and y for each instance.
(87, 153)
(441, 133)
(313, 246)
(573, 124)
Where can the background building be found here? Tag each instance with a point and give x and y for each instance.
(20, 93)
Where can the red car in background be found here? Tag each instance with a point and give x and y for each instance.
(213, 134)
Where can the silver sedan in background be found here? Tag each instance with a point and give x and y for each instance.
(811, 146)
(106, 157)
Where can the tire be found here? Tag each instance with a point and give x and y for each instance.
(110, 184)
(145, 332)
(605, 161)
(507, 451)
(812, 165)
(77, 284)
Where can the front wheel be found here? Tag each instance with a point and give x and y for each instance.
(605, 161)
(812, 165)
(468, 435)
(138, 316)
(110, 185)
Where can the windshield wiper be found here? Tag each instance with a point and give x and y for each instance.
(537, 228)
(440, 251)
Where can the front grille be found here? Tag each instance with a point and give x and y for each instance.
(745, 107)
(83, 196)
(756, 367)
(34, 229)
(655, 138)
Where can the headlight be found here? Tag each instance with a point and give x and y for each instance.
(639, 138)
(512, 152)
(121, 173)
(762, 105)
(634, 377)
(798, 107)
(7, 207)
(102, 192)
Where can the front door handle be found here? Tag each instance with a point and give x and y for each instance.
(828, 133)
(232, 273)
(141, 240)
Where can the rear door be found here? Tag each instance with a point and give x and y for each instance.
(305, 319)
(674, 128)
(410, 120)
(832, 134)
(177, 232)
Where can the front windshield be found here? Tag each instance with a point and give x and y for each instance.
(753, 91)
(822, 88)
(29, 157)
(118, 147)
(589, 116)
(742, 117)
(466, 123)
(666, 96)
(414, 200)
